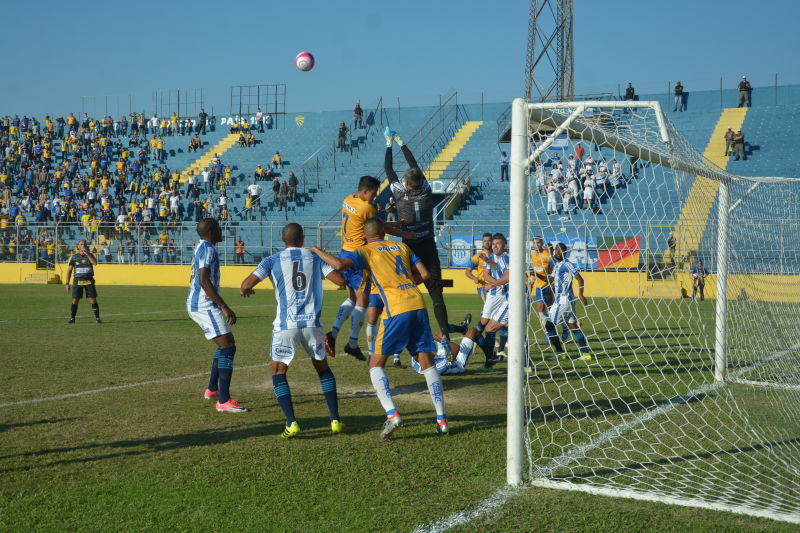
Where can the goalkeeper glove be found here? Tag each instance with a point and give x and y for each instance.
(387, 133)
(397, 139)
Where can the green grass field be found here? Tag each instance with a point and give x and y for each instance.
(157, 457)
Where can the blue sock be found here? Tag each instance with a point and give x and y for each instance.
(487, 345)
(480, 327)
(552, 336)
(503, 339)
(213, 381)
(457, 328)
(328, 383)
(284, 397)
(564, 333)
(225, 370)
(581, 340)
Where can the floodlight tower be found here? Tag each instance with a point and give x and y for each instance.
(549, 67)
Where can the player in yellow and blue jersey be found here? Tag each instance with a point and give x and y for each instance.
(395, 273)
(357, 208)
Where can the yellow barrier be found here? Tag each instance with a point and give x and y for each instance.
(765, 288)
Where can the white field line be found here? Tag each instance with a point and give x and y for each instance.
(120, 387)
(183, 310)
(503, 494)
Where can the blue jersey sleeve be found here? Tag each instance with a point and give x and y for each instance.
(324, 267)
(414, 259)
(264, 268)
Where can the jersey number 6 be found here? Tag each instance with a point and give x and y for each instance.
(298, 278)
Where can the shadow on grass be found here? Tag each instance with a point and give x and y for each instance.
(668, 461)
(597, 408)
(6, 427)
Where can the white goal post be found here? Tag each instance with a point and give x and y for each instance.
(666, 399)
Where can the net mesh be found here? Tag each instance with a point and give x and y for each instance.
(645, 415)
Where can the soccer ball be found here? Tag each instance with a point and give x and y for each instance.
(304, 61)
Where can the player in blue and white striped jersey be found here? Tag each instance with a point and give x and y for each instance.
(495, 308)
(563, 308)
(296, 275)
(207, 308)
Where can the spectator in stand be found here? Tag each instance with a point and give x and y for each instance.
(239, 251)
(195, 143)
(292, 187)
(738, 145)
(503, 167)
(260, 120)
(630, 93)
(579, 152)
(283, 195)
(202, 120)
(254, 191)
(679, 105)
(342, 137)
(358, 115)
(277, 160)
(744, 89)
(729, 141)
(391, 210)
(268, 121)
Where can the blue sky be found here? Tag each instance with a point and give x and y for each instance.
(415, 50)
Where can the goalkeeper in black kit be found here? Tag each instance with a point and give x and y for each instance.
(414, 199)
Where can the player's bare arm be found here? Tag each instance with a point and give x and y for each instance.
(246, 290)
(69, 276)
(336, 278)
(211, 293)
(470, 275)
(420, 273)
(580, 281)
(489, 261)
(336, 263)
(498, 282)
(395, 228)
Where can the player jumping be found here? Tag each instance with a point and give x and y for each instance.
(414, 199)
(396, 272)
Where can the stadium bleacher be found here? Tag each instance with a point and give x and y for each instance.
(307, 146)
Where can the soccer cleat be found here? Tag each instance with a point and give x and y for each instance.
(585, 357)
(293, 430)
(211, 394)
(98, 321)
(501, 356)
(448, 352)
(441, 427)
(467, 321)
(390, 425)
(563, 357)
(398, 363)
(337, 426)
(355, 352)
(71, 320)
(484, 368)
(330, 344)
(231, 406)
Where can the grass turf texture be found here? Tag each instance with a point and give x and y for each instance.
(159, 456)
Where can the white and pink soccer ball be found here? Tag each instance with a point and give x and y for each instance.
(304, 61)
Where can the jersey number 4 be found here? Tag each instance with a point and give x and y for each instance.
(298, 278)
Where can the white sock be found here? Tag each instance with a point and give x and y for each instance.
(465, 351)
(371, 337)
(436, 390)
(342, 315)
(356, 319)
(381, 384)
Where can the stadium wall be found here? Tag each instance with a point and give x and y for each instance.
(771, 288)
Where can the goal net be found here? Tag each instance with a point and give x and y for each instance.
(679, 380)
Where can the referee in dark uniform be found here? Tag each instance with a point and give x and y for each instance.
(414, 199)
(82, 263)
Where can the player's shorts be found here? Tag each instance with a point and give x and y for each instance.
(375, 301)
(544, 295)
(285, 344)
(211, 320)
(562, 312)
(407, 331)
(496, 308)
(355, 278)
(81, 287)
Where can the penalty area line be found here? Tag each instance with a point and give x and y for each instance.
(119, 387)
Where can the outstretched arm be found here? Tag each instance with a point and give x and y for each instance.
(336, 263)
(387, 165)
